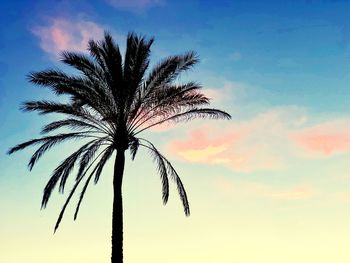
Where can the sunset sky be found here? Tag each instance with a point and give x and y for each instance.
(271, 185)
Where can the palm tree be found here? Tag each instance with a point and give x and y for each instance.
(110, 103)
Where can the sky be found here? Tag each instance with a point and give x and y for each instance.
(271, 185)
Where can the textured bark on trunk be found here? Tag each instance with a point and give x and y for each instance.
(117, 216)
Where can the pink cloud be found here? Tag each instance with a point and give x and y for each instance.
(134, 5)
(267, 141)
(200, 147)
(325, 139)
(243, 146)
(62, 34)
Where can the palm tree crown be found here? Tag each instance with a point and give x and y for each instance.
(111, 102)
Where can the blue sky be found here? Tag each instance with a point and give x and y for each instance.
(275, 179)
(296, 49)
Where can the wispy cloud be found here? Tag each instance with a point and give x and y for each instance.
(135, 6)
(267, 141)
(63, 34)
(199, 147)
(294, 193)
(228, 92)
(248, 188)
(324, 139)
(244, 146)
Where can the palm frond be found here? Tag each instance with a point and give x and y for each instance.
(72, 193)
(44, 148)
(172, 172)
(168, 104)
(191, 114)
(133, 146)
(94, 72)
(162, 75)
(82, 194)
(46, 107)
(52, 139)
(84, 64)
(70, 123)
(135, 64)
(97, 171)
(88, 156)
(168, 70)
(97, 53)
(200, 113)
(108, 54)
(79, 87)
(166, 98)
(171, 92)
(105, 157)
(59, 219)
(61, 173)
(179, 185)
(61, 83)
(162, 169)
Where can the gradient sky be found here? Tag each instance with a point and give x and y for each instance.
(271, 185)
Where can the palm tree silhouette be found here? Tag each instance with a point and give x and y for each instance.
(111, 102)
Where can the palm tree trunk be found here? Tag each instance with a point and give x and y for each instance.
(117, 216)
